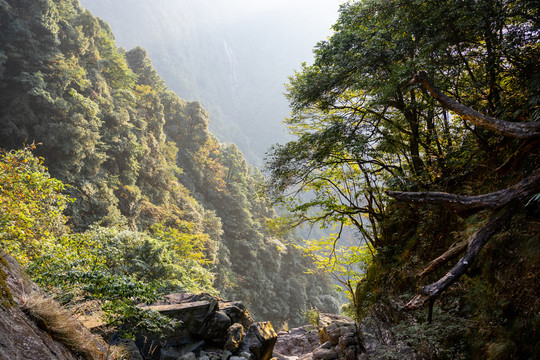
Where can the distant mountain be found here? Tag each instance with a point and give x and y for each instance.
(234, 56)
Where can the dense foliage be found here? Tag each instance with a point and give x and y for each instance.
(364, 126)
(156, 198)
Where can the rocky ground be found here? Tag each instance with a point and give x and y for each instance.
(212, 329)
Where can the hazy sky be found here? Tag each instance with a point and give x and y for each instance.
(310, 7)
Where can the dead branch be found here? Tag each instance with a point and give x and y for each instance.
(444, 258)
(505, 128)
(520, 191)
(478, 240)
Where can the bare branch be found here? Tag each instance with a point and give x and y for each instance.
(505, 128)
(448, 255)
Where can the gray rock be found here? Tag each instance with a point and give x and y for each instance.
(324, 354)
(20, 337)
(226, 355)
(246, 355)
(338, 351)
(343, 336)
(214, 356)
(188, 356)
(332, 327)
(297, 341)
(350, 354)
(348, 340)
(189, 314)
(308, 356)
(326, 345)
(215, 328)
(237, 312)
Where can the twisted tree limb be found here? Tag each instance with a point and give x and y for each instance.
(478, 240)
(506, 128)
(520, 191)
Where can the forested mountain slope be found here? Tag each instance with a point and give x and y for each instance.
(233, 56)
(155, 192)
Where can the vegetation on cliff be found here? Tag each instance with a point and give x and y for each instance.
(153, 202)
(388, 105)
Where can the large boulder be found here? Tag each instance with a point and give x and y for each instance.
(193, 316)
(237, 312)
(332, 327)
(214, 330)
(235, 335)
(260, 340)
(207, 322)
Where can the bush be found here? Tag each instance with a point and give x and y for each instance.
(31, 205)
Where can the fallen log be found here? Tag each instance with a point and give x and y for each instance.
(444, 258)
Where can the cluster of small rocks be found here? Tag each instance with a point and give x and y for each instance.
(211, 329)
(336, 337)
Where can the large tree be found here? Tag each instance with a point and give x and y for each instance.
(388, 103)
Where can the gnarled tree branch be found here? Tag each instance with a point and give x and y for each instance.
(478, 240)
(505, 128)
(520, 191)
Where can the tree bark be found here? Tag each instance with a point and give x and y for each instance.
(505, 128)
(520, 191)
(479, 239)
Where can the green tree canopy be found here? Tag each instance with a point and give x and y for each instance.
(361, 126)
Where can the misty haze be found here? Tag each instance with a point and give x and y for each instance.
(269, 180)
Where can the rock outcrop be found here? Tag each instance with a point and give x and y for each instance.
(20, 337)
(297, 342)
(211, 329)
